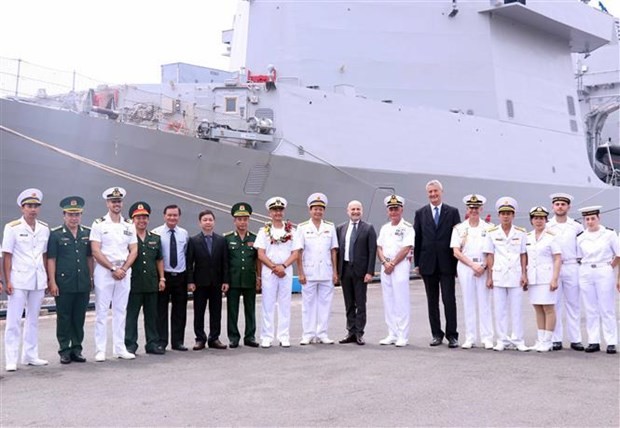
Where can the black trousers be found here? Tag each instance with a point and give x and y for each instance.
(213, 295)
(433, 284)
(175, 292)
(354, 290)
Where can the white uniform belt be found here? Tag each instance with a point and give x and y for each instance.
(595, 265)
(477, 259)
(569, 262)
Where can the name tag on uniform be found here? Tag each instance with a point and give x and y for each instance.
(127, 233)
(499, 239)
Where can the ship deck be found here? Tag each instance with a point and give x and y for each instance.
(317, 385)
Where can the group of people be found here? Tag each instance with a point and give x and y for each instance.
(132, 268)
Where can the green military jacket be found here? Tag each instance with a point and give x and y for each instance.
(144, 275)
(71, 255)
(242, 259)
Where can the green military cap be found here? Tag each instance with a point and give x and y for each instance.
(72, 204)
(139, 208)
(241, 209)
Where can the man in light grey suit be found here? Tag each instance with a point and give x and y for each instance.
(357, 241)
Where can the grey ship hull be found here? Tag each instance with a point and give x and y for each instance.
(219, 172)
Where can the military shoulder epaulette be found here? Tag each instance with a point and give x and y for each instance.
(303, 223)
(579, 233)
(609, 228)
(229, 233)
(15, 223)
(328, 222)
(493, 229)
(85, 227)
(406, 223)
(128, 220)
(43, 223)
(100, 219)
(251, 233)
(522, 229)
(550, 232)
(489, 224)
(530, 232)
(577, 221)
(56, 228)
(154, 233)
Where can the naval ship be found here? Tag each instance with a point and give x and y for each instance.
(355, 99)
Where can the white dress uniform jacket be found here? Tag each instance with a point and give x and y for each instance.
(507, 250)
(27, 247)
(540, 267)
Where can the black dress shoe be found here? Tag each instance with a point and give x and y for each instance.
(199, 346)
(216, 344)
(593, 347)
(156, 351)
(251, 343)
(232, 345)
(436, 341)
(452, 342)
(360, 340)
(65, 359)
(180, 347)
(348, 339)
(611, 349)
(557, 346)
(78, 358)
(577, 346)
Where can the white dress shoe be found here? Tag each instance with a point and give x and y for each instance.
(100, 357)
(400, 343)
(285, 343)
(125, 355)
(387, 341)
(305, 341)
(265, 343)
(37, 362)
(499, 347)
(544, 347)
(488, 345)
(468, 344)
(11, 367)
(326, 341)
(522, 348)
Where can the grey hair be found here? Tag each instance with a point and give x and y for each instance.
(436, 183)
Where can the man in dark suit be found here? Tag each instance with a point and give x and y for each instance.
(207, 277)
(435, 261)
(357, 242)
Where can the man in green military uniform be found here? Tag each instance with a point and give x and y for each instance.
(147, 279)
(70, 272)
(244, 276)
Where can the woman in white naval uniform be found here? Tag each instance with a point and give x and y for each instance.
(316, 265)
(599, 253)
(506, 274)
(544, 258)
(467, 241)
(277, 251)
(395, 242)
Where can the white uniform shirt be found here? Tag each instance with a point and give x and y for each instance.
(470, 240)
(540, 257)
(27, 247)
(601, 246)
(182, 238)
(115, 238)
(393, 238)
(566, 237)
(276, 251)
(507, 252)
(317, 245)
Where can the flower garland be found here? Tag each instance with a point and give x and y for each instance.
(287, 236)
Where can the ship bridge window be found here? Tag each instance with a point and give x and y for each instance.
(570, 102)
(510, 110)
(231, 104)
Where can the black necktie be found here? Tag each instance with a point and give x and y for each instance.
(209, 242)
(352, 242)
(173, 250)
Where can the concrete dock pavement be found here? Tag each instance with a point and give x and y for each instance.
(317, 385)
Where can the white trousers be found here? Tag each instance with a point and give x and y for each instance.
(276, 290)
(110, 291)
(20, 299)
(568, 301)
(599, 302)
(396, 302)
(316, 307)
(508, 299)
(476, 305)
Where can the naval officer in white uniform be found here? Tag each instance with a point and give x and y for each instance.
(24, 247)
(394, 244)
(114, 246)
(505, 250)
(277, 252)
(317, 269)
(565, 230)
(467, 243)
(543, 270)
(599, 253)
